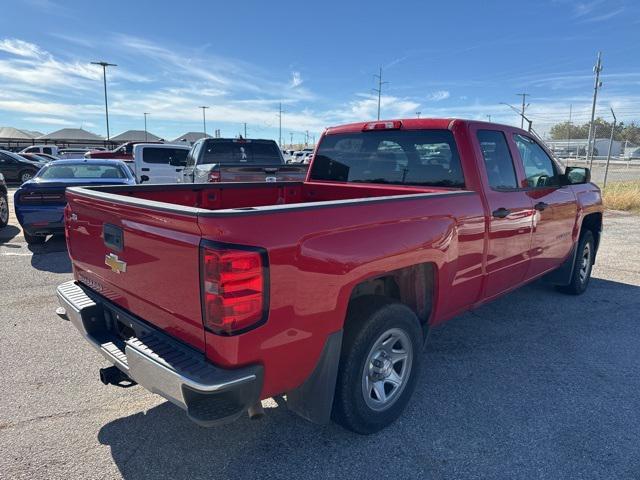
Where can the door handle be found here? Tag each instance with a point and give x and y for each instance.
(540, 206)
(144, 169)
(501, 212)
(178, 169)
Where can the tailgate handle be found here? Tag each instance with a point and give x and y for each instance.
(144, 169)
(113, 237)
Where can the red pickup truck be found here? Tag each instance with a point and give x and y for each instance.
(216, 296)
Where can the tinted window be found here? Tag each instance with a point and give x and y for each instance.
(411, 157)
(85, 170)
(538, 166)
(165, 156)
(497, 159)
(46, 150)
(241, 152)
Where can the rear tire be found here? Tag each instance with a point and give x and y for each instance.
(4, 210)
(582, 267)
(379, 364)
(34, 239)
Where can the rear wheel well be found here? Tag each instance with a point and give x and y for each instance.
(593, 222)
(412, 286)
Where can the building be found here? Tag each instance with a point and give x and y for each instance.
(190, 138)
(136, 136)
(15, 139)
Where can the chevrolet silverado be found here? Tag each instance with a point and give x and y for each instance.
(219, 295)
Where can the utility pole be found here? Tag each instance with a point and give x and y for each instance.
(613, 127)
(145, 126)
(245, 129)
(280, 112)
(488, 117)
(204, 120)
(104, 66)
(597, 84)
(524, 97)
(418, 114)
(379, 89)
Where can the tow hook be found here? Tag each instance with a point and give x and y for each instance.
(114, 376)
(256, 411)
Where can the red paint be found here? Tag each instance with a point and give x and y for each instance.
(316, 256)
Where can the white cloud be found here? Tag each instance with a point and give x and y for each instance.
(296, 79)
(366, 108)
(438, 95)
(21, 48)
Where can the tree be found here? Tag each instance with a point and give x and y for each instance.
(564, 130)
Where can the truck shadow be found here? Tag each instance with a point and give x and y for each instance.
(44, 261)
(8, 233)
(537, 382)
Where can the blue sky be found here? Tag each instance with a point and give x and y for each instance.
(456, 58)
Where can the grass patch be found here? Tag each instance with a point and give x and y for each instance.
(622, 196)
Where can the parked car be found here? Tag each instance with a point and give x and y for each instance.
(297, 157)
(158, 162)
(47, 157)
(72, 153)
(39, 203)
(238, 160)
(123, 152)
(35, 157)
(48, 149)
(323, 290)
(16, 168)
(4, 203)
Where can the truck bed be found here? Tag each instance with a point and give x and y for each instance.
(235, 197)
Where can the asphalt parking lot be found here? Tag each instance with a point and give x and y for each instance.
(534, 385)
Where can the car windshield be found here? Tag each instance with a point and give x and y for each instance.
(83, 171)
(401, 157)
(250, 151)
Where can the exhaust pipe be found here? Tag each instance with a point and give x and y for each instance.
(113, 376)
(256, 411)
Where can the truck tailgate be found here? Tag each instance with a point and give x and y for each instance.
(144, 262)
(262, 173)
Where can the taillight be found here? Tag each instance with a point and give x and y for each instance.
(234, 289)
(39, 197)
(214, 176)
(393, 125)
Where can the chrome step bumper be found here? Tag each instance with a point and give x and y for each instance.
(210, 395)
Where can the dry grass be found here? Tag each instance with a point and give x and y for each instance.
(622, 196)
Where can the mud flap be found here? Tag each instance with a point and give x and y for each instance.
(313, 399)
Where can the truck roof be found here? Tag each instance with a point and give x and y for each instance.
(407, 124)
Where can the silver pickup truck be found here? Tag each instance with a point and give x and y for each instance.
(239, 160)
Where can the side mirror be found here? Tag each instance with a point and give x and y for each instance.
(577, 175)
(144, 178)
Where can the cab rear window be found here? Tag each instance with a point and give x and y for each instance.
(241, 152)
(399, 157)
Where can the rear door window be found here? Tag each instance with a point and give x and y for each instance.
(399, 157)
(497, 160)
(165, 156)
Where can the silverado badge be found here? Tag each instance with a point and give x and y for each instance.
(116, 265)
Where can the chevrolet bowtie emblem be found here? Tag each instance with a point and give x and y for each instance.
(116, 265)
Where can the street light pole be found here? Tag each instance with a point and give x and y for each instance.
(104, 66)
(145, 126)
(204, 120)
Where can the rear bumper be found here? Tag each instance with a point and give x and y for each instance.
(41, 220)
(210, 395)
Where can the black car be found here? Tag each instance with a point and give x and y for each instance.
(4, 203)
(16, 168)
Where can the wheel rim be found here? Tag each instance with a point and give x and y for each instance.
(25, 177)
(4, 210)
(387, 369)
(585, 263)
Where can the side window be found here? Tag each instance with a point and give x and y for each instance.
(538, 166)
(155, 155)
(192, 159)
(497, 160)
(46, 150)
